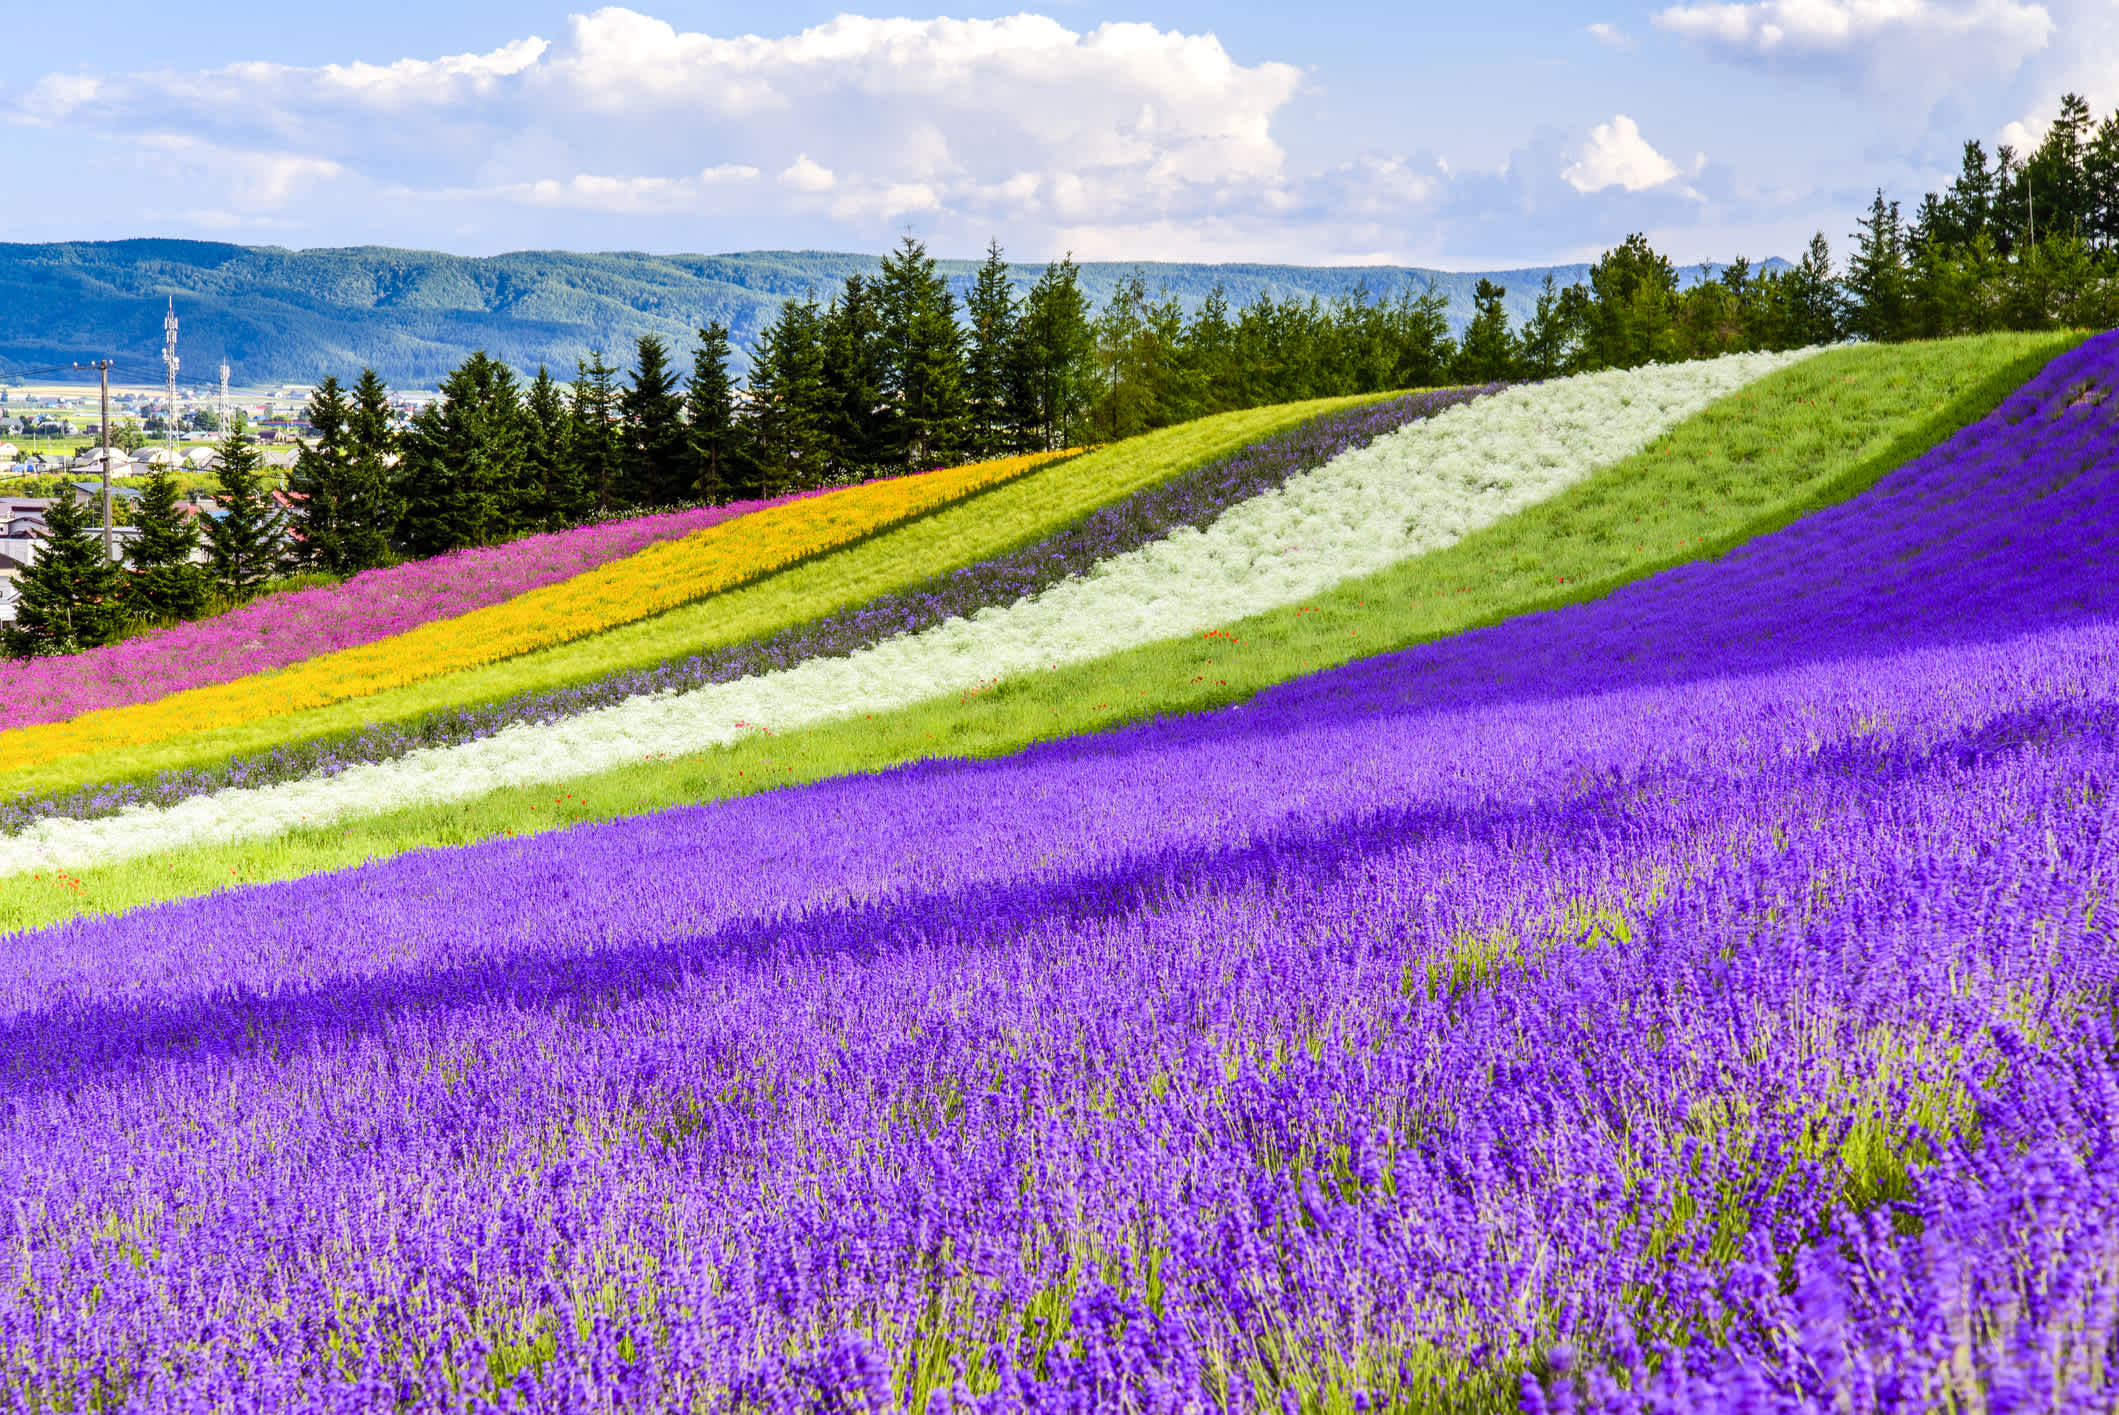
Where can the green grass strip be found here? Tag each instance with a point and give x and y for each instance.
(988, 524)
(1807, 437)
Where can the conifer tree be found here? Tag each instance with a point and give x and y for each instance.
(551, 490)
(991, 308)
(596, 438)
(788, 400)
(70, 596)
(657, 453)
(923, 359)
(1876, 277)
(856, 416)
(1053, 364)
(369, 508)
(317, 484)
(165, 583)
(1488, 351)
(245, 539)
(463, 463)
(719, 470)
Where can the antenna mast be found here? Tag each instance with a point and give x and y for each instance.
(169, 367)
(221, 411)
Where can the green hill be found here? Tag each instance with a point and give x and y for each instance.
(281, 316)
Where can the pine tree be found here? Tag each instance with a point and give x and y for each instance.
(164, 583)
(1876, 277)
(1813, 307)
(596, 437)
(1054, 360)
(923, 359)
(789, 402)
(552, 492)
(369, 510)
(991, 309)
(1632, 317)
(657, 454)
(719, 471)
(1488, 351)
(463, 464)
(1553, 336)
(856, 417)
(70, 595)
(245, 538)
(316, 484)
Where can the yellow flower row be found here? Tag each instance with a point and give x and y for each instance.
(660, 578)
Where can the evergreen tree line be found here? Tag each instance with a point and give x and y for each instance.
(889, 376)
(75, 597)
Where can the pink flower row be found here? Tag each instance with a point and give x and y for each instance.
(286, 628)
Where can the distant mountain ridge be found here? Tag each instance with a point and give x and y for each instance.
(283, 316)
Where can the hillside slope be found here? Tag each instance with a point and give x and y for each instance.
(280, 316)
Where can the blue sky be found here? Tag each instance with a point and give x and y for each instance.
(1464, 137)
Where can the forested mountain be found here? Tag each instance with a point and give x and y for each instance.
(281, 316)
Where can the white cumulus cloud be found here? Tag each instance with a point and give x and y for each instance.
(1618, 156)
(1898, 50)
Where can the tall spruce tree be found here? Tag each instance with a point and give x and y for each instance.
(597, 437)
(463, 461)
(552, 494)
(923, 359)
(991, 311)
(70, 595)
(789, 402)
(1813, 307)
(1876, 277)
(317, 484)
(165, 583)
(1054, 364)
(657, 453)
(1488, 353)
(1632, 315)
(856, 418)
(369, 512)
(720, 472)
(245, 539)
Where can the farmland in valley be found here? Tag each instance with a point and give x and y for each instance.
(1587, 894)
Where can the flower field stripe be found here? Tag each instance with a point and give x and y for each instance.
(1407, 492)
(649, 582)
(283, 629)
(998, 520)
(1720, 1025)
(1192, 498)
(1835, 423)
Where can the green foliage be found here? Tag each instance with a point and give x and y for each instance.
(657, 452)
(245, 540)
(923, 362)
(71, 598)
(552, 494)
(463, 469)
(720, 467)
(1487, 354)
(595, 437)
(164, 585)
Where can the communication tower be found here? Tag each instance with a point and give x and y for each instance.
(221, 411)
(169, 367)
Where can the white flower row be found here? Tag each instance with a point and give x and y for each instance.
(1418, 489)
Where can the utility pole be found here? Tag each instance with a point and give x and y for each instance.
(102, 366)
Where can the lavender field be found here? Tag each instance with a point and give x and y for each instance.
(1698, 999)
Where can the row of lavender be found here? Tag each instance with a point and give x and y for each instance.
(1191, 499)
(1604, 1006)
